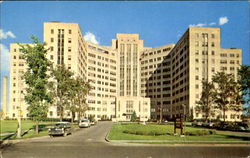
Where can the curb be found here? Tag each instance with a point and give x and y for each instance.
(106, 137)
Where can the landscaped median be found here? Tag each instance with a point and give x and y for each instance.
(155, 133)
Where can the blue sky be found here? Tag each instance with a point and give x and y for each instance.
(158, 23)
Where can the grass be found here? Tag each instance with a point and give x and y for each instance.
(10, 126)
(117, 133)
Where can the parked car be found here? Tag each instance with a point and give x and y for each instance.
(60, 128)
(84, 123)
(92, 123)
(208, 124)
(197, 124)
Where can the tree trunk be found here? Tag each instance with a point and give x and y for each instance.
(224, 116)
(79, 116)
(61, 114)
(37, 127)
(72, 116)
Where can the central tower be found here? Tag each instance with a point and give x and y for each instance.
(128, 47)
(129, 100)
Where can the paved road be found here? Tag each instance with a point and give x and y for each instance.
(90, 143)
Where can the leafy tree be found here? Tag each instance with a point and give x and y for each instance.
(61, 87)
(80, 89)
(37, 95)
(237, 98)
(133, 117)
(244, 81)
(1, 114)
(205, 104)
(224, 91)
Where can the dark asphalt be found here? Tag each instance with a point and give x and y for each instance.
(90, 143)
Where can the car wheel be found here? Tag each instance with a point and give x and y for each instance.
(65, 134)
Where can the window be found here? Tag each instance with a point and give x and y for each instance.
(69, 57)
(52, 31)
(197, 52)
(69, 40)
(212, 52)
(52, 40)
(197, 86)
(14, 57)
(196, 43)
(212, 35)
(69, 49)
(51, 57)
(196, 77)
(70, 31)
(212, 44)
(51, 48)
(213, 69)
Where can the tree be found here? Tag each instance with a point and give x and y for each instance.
(61, 87)
(205, 104)
(224, 91)
(37, 95)
(244, 81)
(237, 100)
(133, 117)
(80, 89)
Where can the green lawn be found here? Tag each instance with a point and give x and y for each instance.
(117, 133)
(7, 126)
(11, 125)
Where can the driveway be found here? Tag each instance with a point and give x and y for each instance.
(90, 143)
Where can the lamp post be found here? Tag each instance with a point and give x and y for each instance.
(184, 115)
(19, 129)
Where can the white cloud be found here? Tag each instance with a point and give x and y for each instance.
(212, 24)
(91, 38)
(5, 35)
(198, 25)
(223, 20)
(5, 55)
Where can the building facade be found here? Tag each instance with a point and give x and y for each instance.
(127, 77)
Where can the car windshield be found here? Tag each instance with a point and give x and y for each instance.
(60, 125)
(85, 121)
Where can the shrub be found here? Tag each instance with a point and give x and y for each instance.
(200, 132)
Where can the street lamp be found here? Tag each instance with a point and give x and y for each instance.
(19, 129)
(184, 115)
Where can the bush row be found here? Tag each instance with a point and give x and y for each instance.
(200, 133)
(146, 133)
(158, 133)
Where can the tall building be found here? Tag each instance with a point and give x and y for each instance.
(18, 66)
(196, 57)
(156, 80)
(127, 77)
(129, 100)
(5, 97)
(102, 75)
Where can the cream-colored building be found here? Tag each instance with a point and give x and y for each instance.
(5, 96)
(17, 105)
(197, 56)
(102, 74)
(156, 79)
(127, 76)
(129, 100)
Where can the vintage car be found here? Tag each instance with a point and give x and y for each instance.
(84, 123)
(60, 128)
